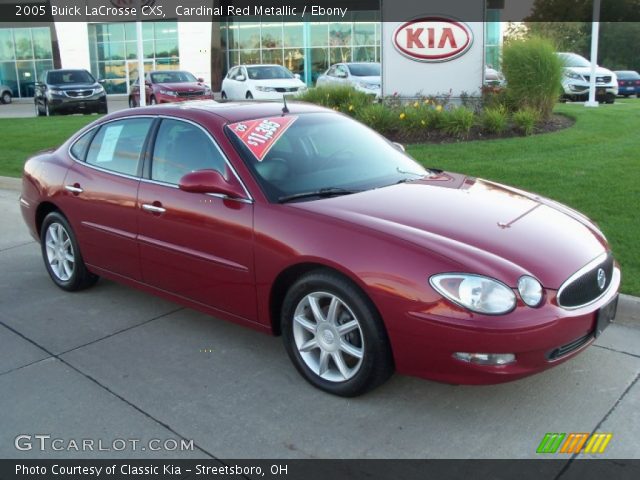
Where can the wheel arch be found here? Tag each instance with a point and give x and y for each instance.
(287, 277)
(44, 209)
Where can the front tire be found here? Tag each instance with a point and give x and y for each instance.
(223, 95)
(132, 102)
(249, 96)
(152, 101)
(6, 98)
(610, 98)
(39, 113)
(334, 335)
(61, 255)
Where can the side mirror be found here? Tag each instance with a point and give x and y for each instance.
(209, 181)
(102, 81)
(200, 80)
(240, 78)
(297, 76)
(399, 146)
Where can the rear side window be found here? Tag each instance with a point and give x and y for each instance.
(182, 148)
(79, 149)
(118, 145)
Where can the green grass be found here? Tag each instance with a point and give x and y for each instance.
(25, 136)
(593, 167)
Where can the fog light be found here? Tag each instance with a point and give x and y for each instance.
(486, 358)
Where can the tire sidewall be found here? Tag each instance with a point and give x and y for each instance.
(74, 281)
(377, 363)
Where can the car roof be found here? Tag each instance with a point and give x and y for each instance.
(229, 112)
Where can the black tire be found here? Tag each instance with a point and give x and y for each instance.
(48, 111)
(39, 112)
(80, 277)
(626, 95)
(132, 102)
(610, 98)
(6, 98)
(152, 100)
(376, 364)
(249, 96)
(103, 109)
(223, 95)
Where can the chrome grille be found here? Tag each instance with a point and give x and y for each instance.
(582, 287)
(79, 93)
(191, 94)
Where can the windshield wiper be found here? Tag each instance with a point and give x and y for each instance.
(321, 193)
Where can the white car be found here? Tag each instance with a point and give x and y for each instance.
(5, 94)
(493, 77)
(260, 82)
(363, 76)
(576, 76)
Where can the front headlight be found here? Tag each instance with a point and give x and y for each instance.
(573, 75)
(265, 89)
(98, 89)
(171, 93)
(55, 91)
(475, 292)
(530, 290)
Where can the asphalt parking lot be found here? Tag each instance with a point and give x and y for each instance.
(114, 363)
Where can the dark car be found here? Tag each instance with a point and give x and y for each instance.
(69, 91)
(363, 260)
(170, 86)
(628, 83)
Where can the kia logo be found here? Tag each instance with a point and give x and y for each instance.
(433, 39)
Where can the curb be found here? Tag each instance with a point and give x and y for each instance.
(11, 183)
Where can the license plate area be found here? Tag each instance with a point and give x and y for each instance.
(605, 316)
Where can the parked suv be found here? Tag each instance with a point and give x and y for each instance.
(576, 76)
(5, 94)
(69, 91)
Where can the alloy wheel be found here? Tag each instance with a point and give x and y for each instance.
(60, 254)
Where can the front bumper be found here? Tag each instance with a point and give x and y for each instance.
(92, 103)
(580, 89)
(424, 341)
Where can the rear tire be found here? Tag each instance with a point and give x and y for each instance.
(249, 96)
(334, 335)
(610, 98)
(152, 101)
(132, 102)
(223, 95)
(61, 255)
(6, 98)
(39, 113)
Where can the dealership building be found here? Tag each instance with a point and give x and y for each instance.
(207, 49)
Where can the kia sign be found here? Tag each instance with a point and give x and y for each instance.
(435, 52)
(433, 39)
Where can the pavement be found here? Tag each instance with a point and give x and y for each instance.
(24, 107)
(113, 364)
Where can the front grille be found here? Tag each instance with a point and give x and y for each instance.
(191, 94)
(582, 287)
(605, 79)
(569, 347)
(288, 89)
(79, 93)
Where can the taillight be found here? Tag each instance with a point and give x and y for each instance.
(620, 82)
(637, 82)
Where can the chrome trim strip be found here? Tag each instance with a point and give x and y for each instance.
(24, 203)
(113, 231)
(589, 266)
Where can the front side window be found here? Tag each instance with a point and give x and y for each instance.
(182, 148)
(118, 145)
(290, 155)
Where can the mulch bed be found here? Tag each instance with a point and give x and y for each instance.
(555, 123)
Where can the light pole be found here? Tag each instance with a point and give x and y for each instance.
(142, 88)
(595, 31)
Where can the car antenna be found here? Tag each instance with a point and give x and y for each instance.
(285, 109)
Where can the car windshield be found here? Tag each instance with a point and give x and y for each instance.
(268, 72)
(364, 69)
(173, 77)
(69, 76)
(319, 152)
(628, 75)
(573, 60)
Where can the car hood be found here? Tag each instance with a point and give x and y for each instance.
(182, 86)
(279, 82)
(375, 80)
(587, 71)
(73, 86)
(482, 227)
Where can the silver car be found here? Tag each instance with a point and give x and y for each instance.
(576, 75)
(363, 76)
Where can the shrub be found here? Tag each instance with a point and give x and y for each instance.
(533, 72)
(458, 121)
(343, 98)
(377, 116)
(526, 119)
(495, 119)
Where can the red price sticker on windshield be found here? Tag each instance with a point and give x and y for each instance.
(260, 135)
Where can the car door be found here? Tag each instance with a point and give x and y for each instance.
(195, 245)
(230, 83)
(101, 192)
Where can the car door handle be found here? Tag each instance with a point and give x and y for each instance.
(75, 188)
(147, 207)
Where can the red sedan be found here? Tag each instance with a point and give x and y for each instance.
(170, 86)
(305, 223)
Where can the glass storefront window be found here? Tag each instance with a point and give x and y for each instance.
(41, 43)
(340, 34)
(294, 60)
(272, 56)
(249, 36)
(23, 44)
(249, 56)
(271, 35)
(25, 53)
(319, 33)
(6, 45)
(293, 34)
